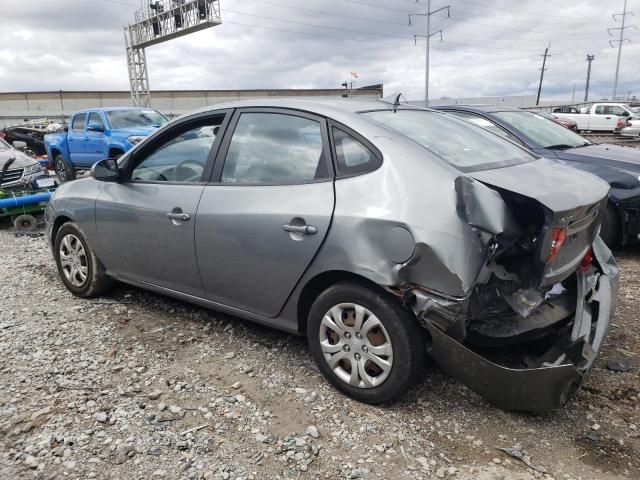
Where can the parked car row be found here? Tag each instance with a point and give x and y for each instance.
(597, 117)
(619, 166)
(380, 231)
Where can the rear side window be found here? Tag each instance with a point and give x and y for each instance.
(275, 148)
(352, 156)
(78, 122)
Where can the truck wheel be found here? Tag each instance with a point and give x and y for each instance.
(610, 226)
(63, 171)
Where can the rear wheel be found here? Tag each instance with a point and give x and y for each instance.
(610, 226)
(64, 172)
(78, 267)
(365, 343)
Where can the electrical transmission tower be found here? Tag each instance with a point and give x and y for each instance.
(590, 59)
(619, 42)
(158, 22)
(542, 70)
(428, 36)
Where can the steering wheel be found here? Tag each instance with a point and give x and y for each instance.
(183, 165)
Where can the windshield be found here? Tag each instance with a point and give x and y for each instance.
(545, 133)
(135, 118)
(4, 145)
(465, 146)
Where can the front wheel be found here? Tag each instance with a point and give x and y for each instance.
(78, 267)
(64, 172)
(365, 343)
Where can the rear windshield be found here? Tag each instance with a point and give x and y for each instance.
(465, 146)
(546, 133)
(135, 118)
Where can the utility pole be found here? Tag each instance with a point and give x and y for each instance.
(573, 95)
(619, 42)
(544, 62)
(428, 36)
(586, 87)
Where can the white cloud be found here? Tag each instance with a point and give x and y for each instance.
(489, 48)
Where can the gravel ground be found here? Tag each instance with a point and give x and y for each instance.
(135, 385)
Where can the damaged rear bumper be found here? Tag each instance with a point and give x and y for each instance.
(549, 385)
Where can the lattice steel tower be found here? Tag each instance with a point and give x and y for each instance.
(158, 22)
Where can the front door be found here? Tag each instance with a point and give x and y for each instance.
(76, 139)
(265, 215)
(95, 143)
(146, 223)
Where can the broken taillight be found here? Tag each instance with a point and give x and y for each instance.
(558, 236)
(586, 261)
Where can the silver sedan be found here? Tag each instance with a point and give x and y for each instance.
(381, 232)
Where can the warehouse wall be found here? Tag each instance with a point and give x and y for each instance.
(16, 107)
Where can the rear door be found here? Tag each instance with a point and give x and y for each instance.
(95, 142)
(146, 223)
(76, 139)
(267, 210)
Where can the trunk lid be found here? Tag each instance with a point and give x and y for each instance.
(562, 232)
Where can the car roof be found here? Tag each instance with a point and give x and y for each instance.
(325, 106)
(112, 109)
(478, 108)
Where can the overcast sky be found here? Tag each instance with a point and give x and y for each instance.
(489, 47)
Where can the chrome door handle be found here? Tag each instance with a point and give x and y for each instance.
(183, 217)
(304, 229)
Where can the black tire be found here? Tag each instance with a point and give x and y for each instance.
(407, 339)
(25, 223)
(64, 172)
(610, 229)
(96, 281)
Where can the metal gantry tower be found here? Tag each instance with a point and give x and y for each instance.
(619, 42)
(158, 22)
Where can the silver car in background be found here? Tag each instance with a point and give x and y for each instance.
(382, 232)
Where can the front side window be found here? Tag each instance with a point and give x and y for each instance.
(275, 148)
(180, 159)
(540, 130)
(78, 122)
(464, 146)
(94, 119)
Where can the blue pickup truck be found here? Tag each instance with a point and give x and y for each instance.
(95, 134)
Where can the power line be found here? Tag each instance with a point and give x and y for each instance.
(376, 34)
(569, 10)
(542, 70)
(619, 42)
(322, 12)
(428, 14)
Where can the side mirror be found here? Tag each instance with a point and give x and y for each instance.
(106, 170)
(95, 127)
(19, 145)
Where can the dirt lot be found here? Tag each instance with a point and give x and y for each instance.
(135, 385)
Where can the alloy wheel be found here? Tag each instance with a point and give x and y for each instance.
(356, 346)
(74, 261)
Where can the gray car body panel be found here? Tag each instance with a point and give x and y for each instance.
(386, 226)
